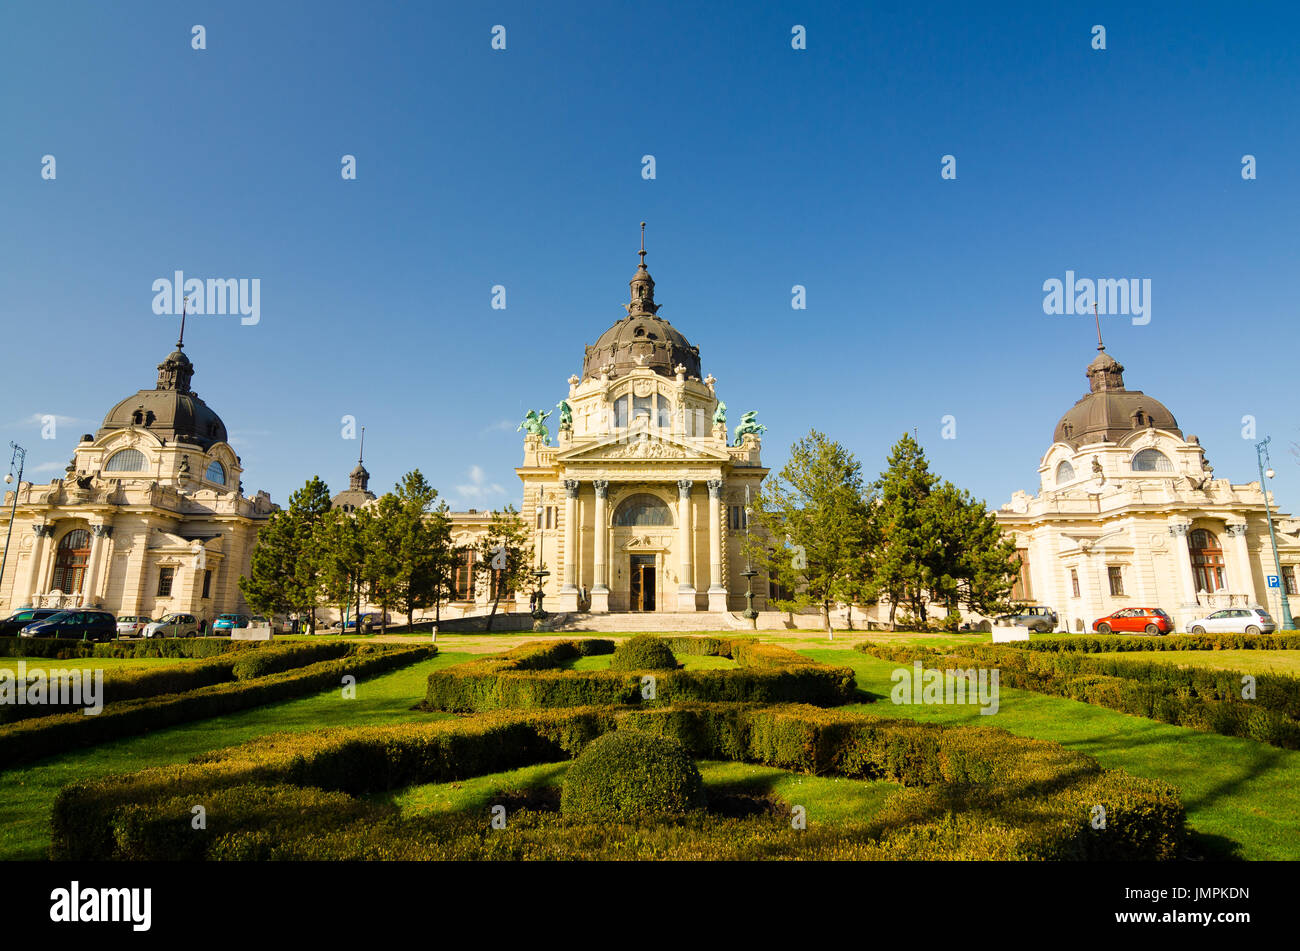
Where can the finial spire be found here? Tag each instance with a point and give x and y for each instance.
(1097, 318)
(361, 453)
(180, 341)
(642, 251)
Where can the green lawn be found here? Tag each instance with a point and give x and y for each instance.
(27, 793)
(1249, 662)
(1242, 797)
(827, 799)
(689, 662)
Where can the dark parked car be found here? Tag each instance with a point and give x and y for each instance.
(75, 625)
(370, 621)
(11, 625)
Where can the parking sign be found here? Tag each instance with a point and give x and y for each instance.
(1274, 581)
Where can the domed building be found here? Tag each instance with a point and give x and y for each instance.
(638, 503)
(1129, 514)
(150, 518)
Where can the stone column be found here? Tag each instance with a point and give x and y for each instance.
(34, 566)
(685, 541)
(98, 541)
(717, 584)
(1189, 609)
(600, 586)
(568, 599)
(1243, 580)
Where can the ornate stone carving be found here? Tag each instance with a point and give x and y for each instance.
(571, 488)
(1238, 529)
(602, 487)
(1179, 530)
(646, 448)
(684, 488)
(44, 531)
(715, 488)
(102, 531)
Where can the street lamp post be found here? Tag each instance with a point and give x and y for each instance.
(748, 574)
(1261, 454)
(539, 573)
(19, 456)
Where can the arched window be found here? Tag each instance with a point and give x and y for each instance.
(643, 510)
(1207, 560)
(70, 561)
(1064, 473)
(664, 407)
(1152, 460)
(216, 473)
(126, 460)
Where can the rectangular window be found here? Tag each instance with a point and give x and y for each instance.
(550, 516)
(620, 412)
(1074, 582)
(736, 520)
(165, 576)
(642, 406)
(462, 579)
(1116, 576)
(499, 588)
(207, 583)
(1288, 579)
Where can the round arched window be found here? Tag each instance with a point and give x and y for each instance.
(1152, 460)
(216, 473)
(1207, 560)
(70, 561)
(1064, 473)
(126, 460)
(643, 509)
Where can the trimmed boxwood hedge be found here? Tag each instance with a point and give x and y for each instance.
(627, 774)
(40, 737)
(643, 652)
(244, 664)
(974, 792)
(1098, 643)
(64, 649)
(1195, 697)
(526, 678)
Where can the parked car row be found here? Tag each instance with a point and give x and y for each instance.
(1154, 621)
(96, 625)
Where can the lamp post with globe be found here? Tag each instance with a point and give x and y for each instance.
(20, 457)
(748, 574)
(1261, 454)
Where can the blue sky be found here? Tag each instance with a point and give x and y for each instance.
(775, 167)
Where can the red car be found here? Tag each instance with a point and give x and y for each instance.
(1132, 620)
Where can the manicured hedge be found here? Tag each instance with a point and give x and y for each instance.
(525, 678)
(1107, 643)
(1195, 697)
(973, 792)
(63, 649)
(627, 774)
(643, 652)
(244, 664)
(48, 736)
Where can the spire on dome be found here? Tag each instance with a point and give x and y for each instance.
(359, 478)
(176, 371)
(643, 287)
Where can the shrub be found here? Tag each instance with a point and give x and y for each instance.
(273, 660)
(643, 652)
(624, 775)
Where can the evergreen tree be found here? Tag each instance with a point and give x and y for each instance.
(340, 550)
(307, 507)
(416, 539)
(813, 528)
(283, 573)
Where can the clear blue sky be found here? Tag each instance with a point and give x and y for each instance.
(774, 168)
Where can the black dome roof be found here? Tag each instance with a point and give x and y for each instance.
(171, 409)
(1109, 411)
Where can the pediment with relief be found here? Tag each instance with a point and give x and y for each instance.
(642, 446)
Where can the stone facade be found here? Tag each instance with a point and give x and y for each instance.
(1129, 514)
(149, 520)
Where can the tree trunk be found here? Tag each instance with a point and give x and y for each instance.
(826, 615)
(493, 612)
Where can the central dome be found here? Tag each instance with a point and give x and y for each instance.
(642, 338)
(1109, 411)
(171, 409)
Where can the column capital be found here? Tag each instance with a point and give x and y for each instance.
(684, 487)
(1180, 528)
(44, 530)
(1237, 528)
(601, 486)
(102, 531)
(571, 488)
(715, 488)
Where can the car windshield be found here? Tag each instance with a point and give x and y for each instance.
(228, 617)
(59, 616)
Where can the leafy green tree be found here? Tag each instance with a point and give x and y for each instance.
(307, 507)
(813, 527)
(503, 557)
(340, 550)
(410, 545)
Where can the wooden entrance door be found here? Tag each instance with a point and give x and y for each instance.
(643, 583)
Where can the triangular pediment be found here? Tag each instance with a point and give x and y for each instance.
(640, 447)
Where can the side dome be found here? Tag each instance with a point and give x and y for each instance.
(171, 409)
(642, 338)
(1109, 411)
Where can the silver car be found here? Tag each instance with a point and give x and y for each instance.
(130, 625)
(173, 625)
(1234, 621)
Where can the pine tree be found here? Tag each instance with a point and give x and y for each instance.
(282, 573)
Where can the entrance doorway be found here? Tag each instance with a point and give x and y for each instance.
(643, 583)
